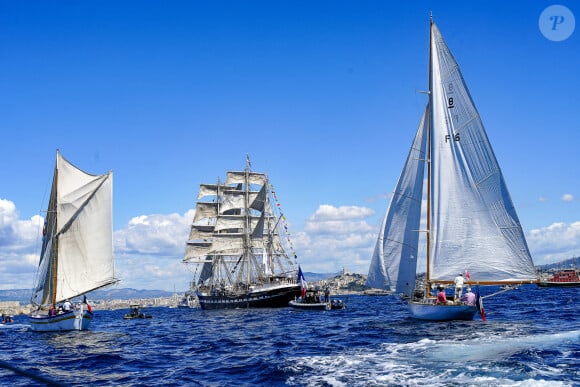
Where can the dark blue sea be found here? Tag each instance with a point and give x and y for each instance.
(531, 338)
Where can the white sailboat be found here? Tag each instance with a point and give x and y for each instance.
(238, 242)
(77, 247)
(472, 224)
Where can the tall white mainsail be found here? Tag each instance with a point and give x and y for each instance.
(394, 260)
(77, 250)
(474, 224)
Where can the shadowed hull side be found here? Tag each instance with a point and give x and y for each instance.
(432, 312)
(72, 321)
(313, 306)
(270, 298)
(553, 284)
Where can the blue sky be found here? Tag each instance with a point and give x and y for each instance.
(321, 94)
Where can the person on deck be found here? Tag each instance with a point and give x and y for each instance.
(441, 297)
(458, 286)
(468, 298)
(66, 306)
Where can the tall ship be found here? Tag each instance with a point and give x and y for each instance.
(240, 246)
(471, 223)
(77, 248)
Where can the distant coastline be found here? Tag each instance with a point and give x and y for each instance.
(17, 301)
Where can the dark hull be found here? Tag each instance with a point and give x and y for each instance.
(314, 306)
(549, 284)
(269, 298)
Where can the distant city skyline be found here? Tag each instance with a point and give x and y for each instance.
(321, 95)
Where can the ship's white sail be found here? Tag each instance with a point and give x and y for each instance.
(235, 233)
(394, 261)
(77, 249)
(474, 223)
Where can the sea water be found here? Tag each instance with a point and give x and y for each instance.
(531, 338)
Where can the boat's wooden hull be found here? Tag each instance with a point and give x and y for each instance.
(77, 320)
(268, 298)
(432, 312)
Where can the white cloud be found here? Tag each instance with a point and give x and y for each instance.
(149, 248)
(152, 272)
(327, 212)
(555, 242)
(19, 247)
(336, 238)
(567, 198)
(162, 235)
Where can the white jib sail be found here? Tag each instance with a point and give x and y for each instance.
(474, 224)
(394, 262)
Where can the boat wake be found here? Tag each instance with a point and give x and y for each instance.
(497, 360)
(496, 348)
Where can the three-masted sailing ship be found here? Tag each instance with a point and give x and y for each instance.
(472, 225)
(77, 247)
(239, 245)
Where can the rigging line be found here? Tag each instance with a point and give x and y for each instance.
(496, 293)
(30, 375)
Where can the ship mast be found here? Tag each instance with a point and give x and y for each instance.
(429, 130)
(247, 228)
(54, 235)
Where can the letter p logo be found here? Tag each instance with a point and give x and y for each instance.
(556, 20)
(557, 23)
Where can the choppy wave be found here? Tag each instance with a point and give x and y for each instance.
(372, 343)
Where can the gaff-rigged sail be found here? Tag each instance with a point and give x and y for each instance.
(77, 249)
(474, 222)
(394, 260)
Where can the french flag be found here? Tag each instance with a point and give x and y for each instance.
(302, 280)
(479, 303)
(89, 308)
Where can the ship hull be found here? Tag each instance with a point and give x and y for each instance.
(78, 320)
(266, 298)
(307, 306)
(553, 284)
(432, 312)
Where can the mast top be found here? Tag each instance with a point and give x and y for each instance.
(431, 16)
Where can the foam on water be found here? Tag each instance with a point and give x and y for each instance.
(476, 361)
(498, 347)
(372, 343)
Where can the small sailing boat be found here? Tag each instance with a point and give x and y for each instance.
(472, 224)
(77, 247)
(241, 245)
